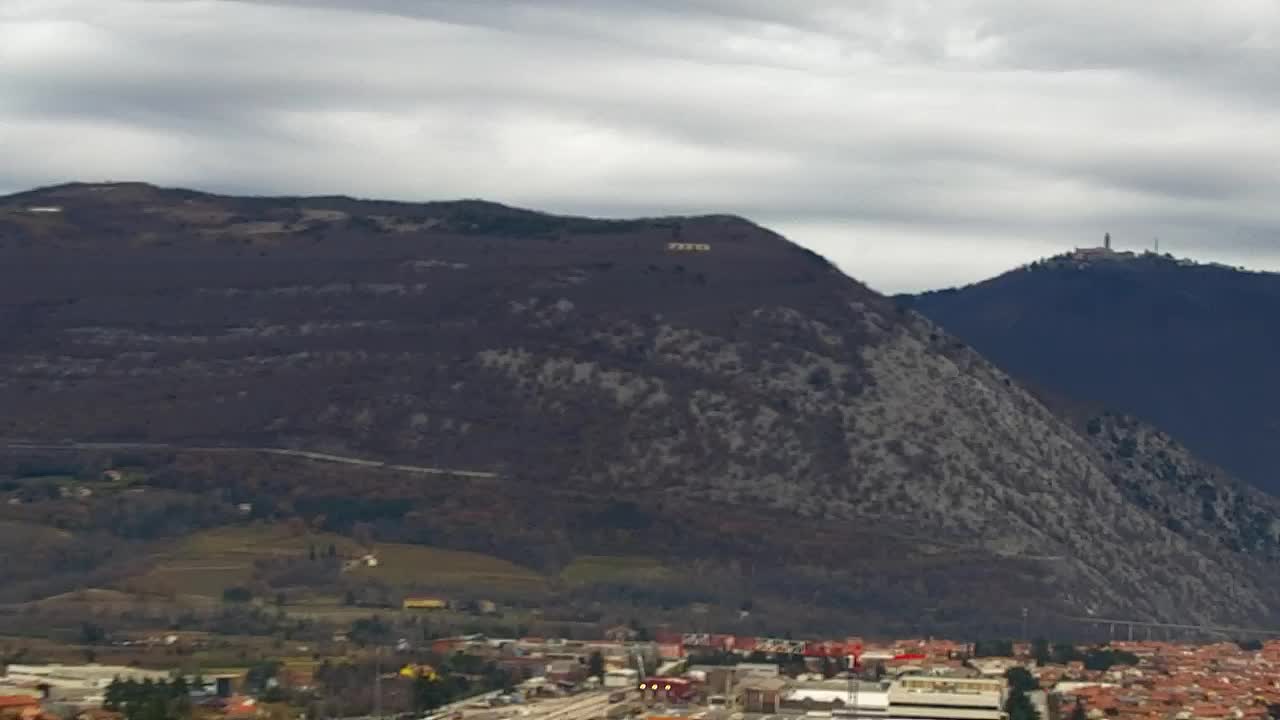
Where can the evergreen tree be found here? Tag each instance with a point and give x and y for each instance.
(1020, 707)
(130, 692)
(429, 693)
(595, 665)
(180, 698)
(1064, 653)
(113, 699)
(1078, 712)
(1040, 651)
(92, 634)
(1021, 679)
(993, 648)
(149, 700)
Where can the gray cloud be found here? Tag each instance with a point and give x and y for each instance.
(915, 143)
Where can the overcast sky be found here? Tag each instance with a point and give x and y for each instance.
(917, 144)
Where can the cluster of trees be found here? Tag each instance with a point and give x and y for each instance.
(1078, 712)
(343, 513)
(237, 594)
(993, 648)
(1106, 658)
(460, 676)
(1019, 705)
(1045, 653)
(1022, 681)
(149, 700)
(791, 664)
(260, 678)
(371, 631)
(347, 689)
(1098, 658)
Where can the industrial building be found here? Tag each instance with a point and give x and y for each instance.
(947, 698)
(72, 683)
(762, 694)
(668, 689)
(844, 698)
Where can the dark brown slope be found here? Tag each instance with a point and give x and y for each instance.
(1190, 348)
(747, 407)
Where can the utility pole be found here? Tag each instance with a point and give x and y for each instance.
(377, 682)
(730, 699)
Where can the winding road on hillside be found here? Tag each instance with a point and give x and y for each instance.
(286, 452)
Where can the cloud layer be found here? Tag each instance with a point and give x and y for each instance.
(918, 144)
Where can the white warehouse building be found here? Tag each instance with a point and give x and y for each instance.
(947, 698)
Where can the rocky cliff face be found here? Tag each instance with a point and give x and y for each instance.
(745, 404)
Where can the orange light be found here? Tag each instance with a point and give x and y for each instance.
(668, 687)
(642, 687)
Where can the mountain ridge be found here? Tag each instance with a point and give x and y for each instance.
(699, 388)
(1185, 345)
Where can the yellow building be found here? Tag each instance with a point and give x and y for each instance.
(425, 603)
(423, 671)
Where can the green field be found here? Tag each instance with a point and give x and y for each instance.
(90, 601)
(208, 562)
(589, 569)
(15, 533)
(250, 542)
(410, 565)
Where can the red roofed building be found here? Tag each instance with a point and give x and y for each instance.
(19, 707)
(240, 706)
(670, 689)
(668, 637)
